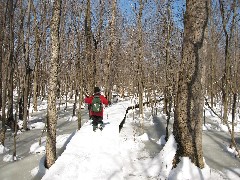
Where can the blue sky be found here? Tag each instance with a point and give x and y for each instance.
(178, 6)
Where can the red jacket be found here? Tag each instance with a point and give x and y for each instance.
(88, 100)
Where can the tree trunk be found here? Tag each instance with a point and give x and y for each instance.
(187, 127)
(27, 73)
(79, 78)
(227, 67)
(110, 52)
(4, 71)
(88, 50)
(10, 117)
(37, 63)
(140, 59)
(233, 143)
(75, 103)
(169, 75)
(1, 51)
(80, 100)
(51, 109)
(4, 94)
(16, 119)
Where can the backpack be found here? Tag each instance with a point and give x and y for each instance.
(96, 105)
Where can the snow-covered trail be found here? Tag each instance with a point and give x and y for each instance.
(93, 155)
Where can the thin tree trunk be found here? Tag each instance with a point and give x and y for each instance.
(168, 116)
(10, 117)
(88, 50)
(4, 94)
(16, 119)
(2, 72)
(37, 63)
(80, 99)
(169, 75)
(140, 59)
(1, 51)
(75, 103)
(233, 143)
(227, 67)
(79, 78)
(110, 52)
(27, 73)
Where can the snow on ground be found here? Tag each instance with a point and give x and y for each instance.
(10, 158)
(39, 148)
(3, 149)
(220, 127)
(109, 155)
(231, 175)
(93, 155)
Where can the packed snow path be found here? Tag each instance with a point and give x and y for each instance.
(93, 155)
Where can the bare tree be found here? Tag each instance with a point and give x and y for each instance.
(187, 127)
(227, 67)
(88, 48)
(79, 63)
(3, 71)
(37, 60)
(140, 58)
(226, 81)
(51, 109)
(27, 69)
(11, 65)
(1, 51)
(111, 46)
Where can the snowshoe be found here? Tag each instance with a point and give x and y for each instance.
(95, 128)
(100, 127)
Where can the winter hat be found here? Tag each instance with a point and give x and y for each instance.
(97, 89)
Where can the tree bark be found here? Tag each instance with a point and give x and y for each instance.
(227, 67)
(110, 51)
(187, 127)
(51, 109)
(10, 118)
(140, 58)
(1, 51)
(79, 78)
(88, 50)
(37, 63)
(4, 71)
(27, 72)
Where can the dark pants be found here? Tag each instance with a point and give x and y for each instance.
(97, 120)
(89, 107)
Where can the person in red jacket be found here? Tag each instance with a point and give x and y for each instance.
(97, 117)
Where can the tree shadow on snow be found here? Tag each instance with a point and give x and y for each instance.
(154, 133)
(216, 154)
